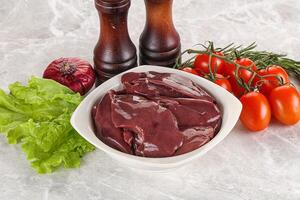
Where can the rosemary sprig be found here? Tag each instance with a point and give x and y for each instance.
(262, 59)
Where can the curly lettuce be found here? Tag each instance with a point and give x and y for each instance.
(38, 117)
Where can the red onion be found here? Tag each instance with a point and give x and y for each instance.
(75, 73)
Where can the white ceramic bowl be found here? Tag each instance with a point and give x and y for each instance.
(82, 121)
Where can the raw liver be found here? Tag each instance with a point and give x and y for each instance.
(106, 131)
(157, 115)
(153, 84)
(151, 124)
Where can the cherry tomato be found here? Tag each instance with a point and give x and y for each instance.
(256, 112)
(223, 82)
(190, 70)
(202, 60)
(267, 84)
(285, 104)
(244, 74)
(229, 69)
(236, 88)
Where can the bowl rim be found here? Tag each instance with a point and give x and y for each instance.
(224, 102)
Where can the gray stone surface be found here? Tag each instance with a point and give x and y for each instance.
(243, 167)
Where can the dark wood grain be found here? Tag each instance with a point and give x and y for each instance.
(159, 42)
(114, 52)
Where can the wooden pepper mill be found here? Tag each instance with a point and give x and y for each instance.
(159, 42)
(114, 52)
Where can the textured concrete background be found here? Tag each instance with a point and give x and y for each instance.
(244, 166)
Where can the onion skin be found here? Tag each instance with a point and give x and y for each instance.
(75, 73)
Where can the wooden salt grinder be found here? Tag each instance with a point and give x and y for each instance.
(159, 42)
(114, 52)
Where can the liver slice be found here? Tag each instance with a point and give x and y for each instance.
(157, 115)
(153, 84)
(105, 129)
(151, 124)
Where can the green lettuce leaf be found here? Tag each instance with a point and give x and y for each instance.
(38, 117)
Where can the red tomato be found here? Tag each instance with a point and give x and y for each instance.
(256, 112)
(223, 82)
(190, 70)
(267, 84)
(285, 104)
(244, 74)
(229, 69)
(201, 63)
(237, 90)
